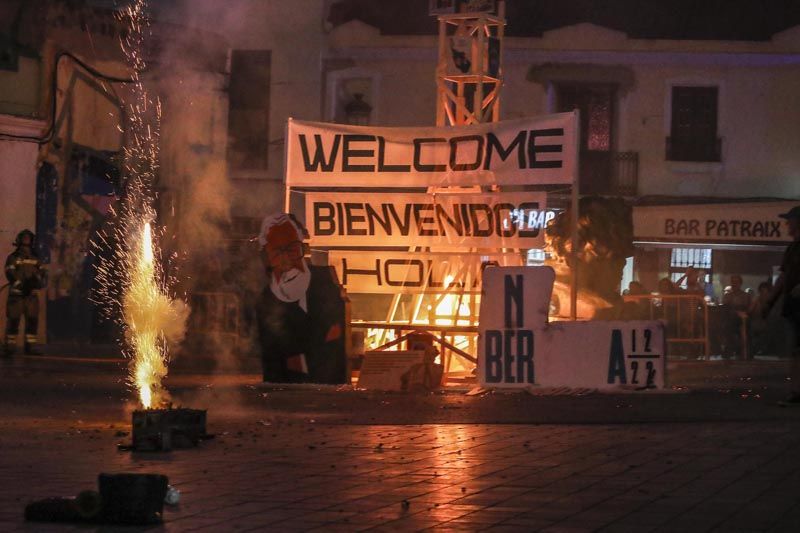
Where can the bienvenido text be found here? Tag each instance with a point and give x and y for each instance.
(428, 219)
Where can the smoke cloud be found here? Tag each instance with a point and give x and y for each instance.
(190, 77)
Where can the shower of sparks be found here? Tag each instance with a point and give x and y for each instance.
(134, 288)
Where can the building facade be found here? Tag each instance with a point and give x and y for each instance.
(678, 122)
(681, 112)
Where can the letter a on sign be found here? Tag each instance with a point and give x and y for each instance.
(616, 359)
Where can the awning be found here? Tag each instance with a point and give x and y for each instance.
(725, 225)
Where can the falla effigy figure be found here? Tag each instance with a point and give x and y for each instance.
(302, 313)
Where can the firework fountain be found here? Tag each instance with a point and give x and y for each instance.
(134, 286)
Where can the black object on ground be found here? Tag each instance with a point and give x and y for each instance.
(126, 499)
(86, 506)
(165, 429)
(132, 498)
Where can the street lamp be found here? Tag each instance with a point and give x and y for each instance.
(357, 111)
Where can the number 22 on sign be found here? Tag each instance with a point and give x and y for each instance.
(621, 364)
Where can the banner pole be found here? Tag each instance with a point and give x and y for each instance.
(286, 196)
(573, 307)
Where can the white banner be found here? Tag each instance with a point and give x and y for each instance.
(491, 220)
(517, 348)
(397, 272)
(530, 151)
(713, 223)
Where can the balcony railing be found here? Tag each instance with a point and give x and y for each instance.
(625, 173)
(694, 149)
(685, 318)
(609, 173)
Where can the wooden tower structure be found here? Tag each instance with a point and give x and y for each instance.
(469, 75)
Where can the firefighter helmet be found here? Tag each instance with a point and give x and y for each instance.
(18, 240)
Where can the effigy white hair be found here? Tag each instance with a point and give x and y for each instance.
(276, 219)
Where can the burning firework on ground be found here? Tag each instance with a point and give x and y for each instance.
(134, 287)
(152, 320)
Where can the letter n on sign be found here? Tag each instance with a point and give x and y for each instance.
(514, 306)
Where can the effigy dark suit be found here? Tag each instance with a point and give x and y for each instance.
(286, 331)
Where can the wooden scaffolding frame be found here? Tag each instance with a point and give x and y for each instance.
(453, 87)
(463, 98)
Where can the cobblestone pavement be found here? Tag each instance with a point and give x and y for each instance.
(285, 472)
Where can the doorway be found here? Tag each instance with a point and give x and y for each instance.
(596, 105)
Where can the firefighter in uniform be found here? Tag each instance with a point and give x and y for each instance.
(25, 277)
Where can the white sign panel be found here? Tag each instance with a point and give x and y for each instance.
(517, 348)
(386, 370)
(515, 298)
(512, 220)
(713, 223)
(394, 272)
(601, 354)
(528, 151)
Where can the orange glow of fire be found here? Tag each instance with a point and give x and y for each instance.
(145, 307)
(449, 311)
(454, 309)
(152, 321)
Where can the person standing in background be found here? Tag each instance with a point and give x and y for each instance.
(788, 288)
(737, 303)
(25, 277)
(759, 322)
(693, 285)
(708, 286)
(737, 298)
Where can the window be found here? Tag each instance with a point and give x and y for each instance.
(693, 132)
(596, 105)
(536, 257)
(682, 258)
(694, 257)
(248, 110)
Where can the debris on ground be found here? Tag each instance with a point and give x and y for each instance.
(173, 496)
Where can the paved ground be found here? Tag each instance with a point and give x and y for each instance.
(721, 455)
